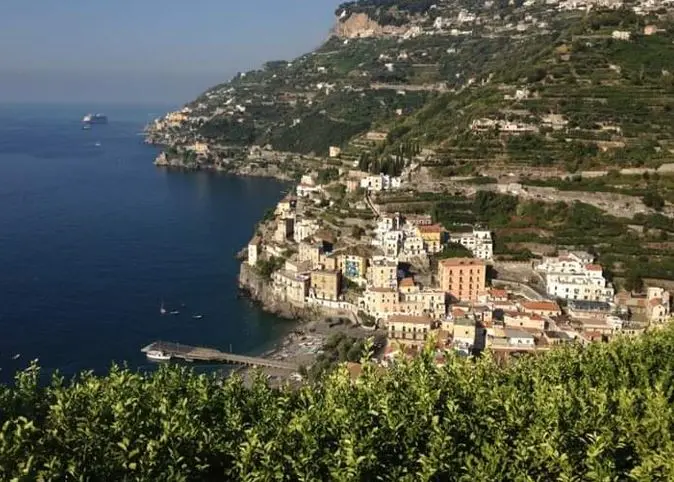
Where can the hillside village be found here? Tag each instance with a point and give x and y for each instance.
(412, 279)
(491, 175)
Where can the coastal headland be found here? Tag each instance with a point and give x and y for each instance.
(459, 174)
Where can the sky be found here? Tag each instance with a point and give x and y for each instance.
(146, 50)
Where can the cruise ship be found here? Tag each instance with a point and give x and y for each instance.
(95, 119)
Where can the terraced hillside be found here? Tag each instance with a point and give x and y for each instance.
(479, 86)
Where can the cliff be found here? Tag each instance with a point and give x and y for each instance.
(260, 291)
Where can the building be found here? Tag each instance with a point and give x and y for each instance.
(380, 182)
(658, 305)
(405, 328)
(304, 228)
(335, 151)
(419, 219)
(621, 35)
(588, 310)
(326, 285)
(462, 278)
(254, 250)
(464, 335)
(527, 321)
(572, 276)
(479, 242)
(432, 236)
(381, 302)
(383, 273)
(290, 287)
(286, 206)
(521, 338)
(310, 252)
(284, 229)
(353, 266)
(541, 308)
(413, 246)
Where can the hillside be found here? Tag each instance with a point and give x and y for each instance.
(534, 83)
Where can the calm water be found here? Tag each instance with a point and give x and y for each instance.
(93, 238)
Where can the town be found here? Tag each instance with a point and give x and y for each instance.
(411, 279)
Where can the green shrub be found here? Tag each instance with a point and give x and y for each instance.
(599, 413)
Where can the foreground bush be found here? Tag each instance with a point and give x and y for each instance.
(601, 413)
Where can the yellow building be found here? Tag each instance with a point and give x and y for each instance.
(410, 329)
(310, 252)
(432, 236)
(381, 302)
(383, 274)
(326, 285)
(353, 266)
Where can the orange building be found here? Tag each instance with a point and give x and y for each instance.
(462, 278)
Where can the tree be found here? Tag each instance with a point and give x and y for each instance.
(653, 200)
(634, 282)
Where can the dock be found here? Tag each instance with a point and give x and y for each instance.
(211, 355)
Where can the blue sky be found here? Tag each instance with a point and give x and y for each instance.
(146, 50)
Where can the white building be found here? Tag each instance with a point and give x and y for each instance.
(479, 242)
(413, 246)
(304, 228)
(380, 182)
(572, 276)
(254, 250)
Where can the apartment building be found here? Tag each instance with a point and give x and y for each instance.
(462, 278)
(383, 273)
(326, 285)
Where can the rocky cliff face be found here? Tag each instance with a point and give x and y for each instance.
(260, 290)
(357, 25)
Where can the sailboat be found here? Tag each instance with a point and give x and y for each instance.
(162, 310)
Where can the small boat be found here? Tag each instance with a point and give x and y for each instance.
(86, 127)
(175, 312)
(197, 317)
(98, 144)
(158, 355)
(162, 310)
(16, 357)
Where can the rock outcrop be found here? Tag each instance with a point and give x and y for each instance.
(358, 25)
(260, 291)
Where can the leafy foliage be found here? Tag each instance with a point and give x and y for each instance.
(598, 413)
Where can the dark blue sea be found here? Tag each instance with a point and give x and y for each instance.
(93, 237)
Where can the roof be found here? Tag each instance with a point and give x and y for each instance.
(497, 293)
(433, 228)
(382, 290)
(655, 302)
(540, 306)
(585, 305)
(593, 267)
(255, 240)
(419, 320)
(519, 314)
(407, 283)
(464, 321)
(515, 333)
(461, 262)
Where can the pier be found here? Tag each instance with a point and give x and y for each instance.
(211, 355)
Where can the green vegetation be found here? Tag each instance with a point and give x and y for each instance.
(454, 250)
(266, 267)
(337, 349)
(599, 413)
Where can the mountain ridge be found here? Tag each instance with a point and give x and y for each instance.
(573, 85)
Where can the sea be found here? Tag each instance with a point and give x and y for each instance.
(94, 238)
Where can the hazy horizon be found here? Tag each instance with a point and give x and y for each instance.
(150, 52)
